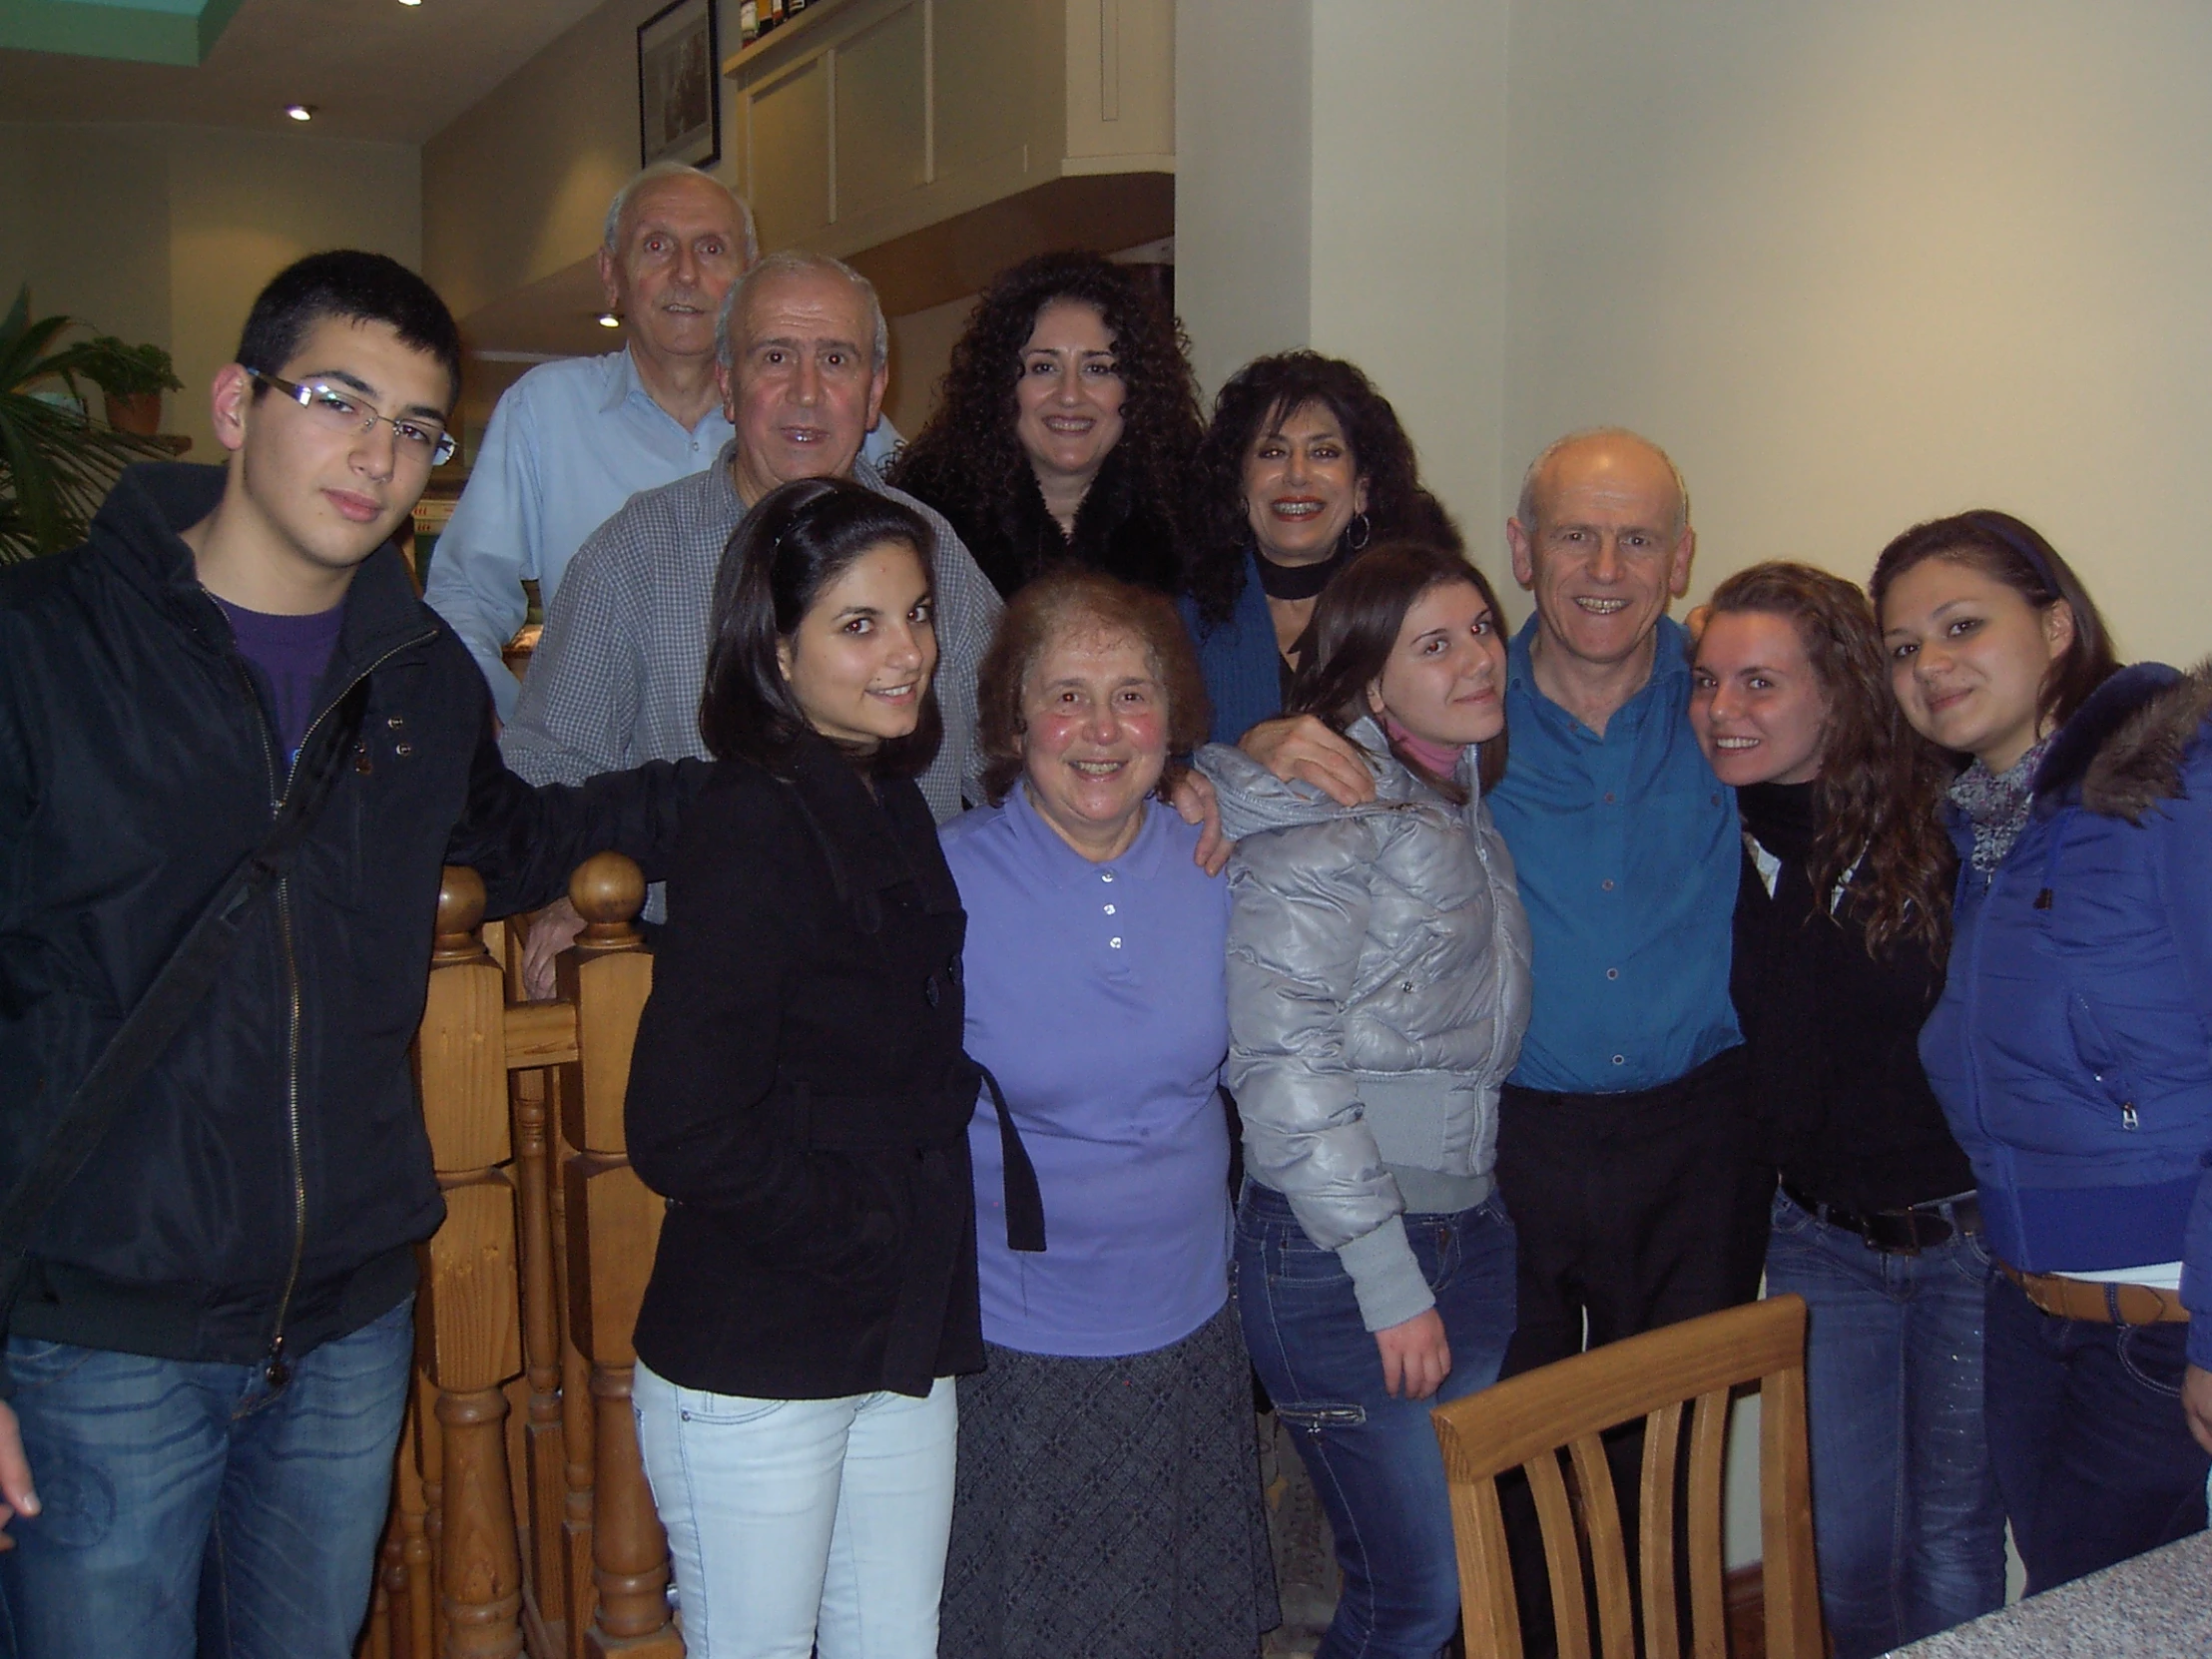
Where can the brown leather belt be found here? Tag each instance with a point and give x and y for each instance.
(2082, 1299)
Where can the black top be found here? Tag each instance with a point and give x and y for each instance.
(800, 1095)
(1832, 1033)
(1016, 537)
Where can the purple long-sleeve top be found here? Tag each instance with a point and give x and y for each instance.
(1096, 996)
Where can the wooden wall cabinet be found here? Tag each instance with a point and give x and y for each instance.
(922, 138)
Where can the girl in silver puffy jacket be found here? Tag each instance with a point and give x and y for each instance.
(1377, 991)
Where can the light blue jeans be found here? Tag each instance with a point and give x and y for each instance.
(802, 1525)
(190, 1508)
(1906, 1524)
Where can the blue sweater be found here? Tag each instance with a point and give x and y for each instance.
(2073, 1047)
(1240, 659)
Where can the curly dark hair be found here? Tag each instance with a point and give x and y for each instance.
(1880, 784)
(1257, 398)
(967, 461)
(1065, 600)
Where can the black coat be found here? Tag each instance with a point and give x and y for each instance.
(270, 1172)
(1014, 536)
(800, 1095)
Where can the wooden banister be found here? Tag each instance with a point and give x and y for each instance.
(520, 1514)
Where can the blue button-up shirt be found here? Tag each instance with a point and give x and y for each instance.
(568, 444)
(1628, 853)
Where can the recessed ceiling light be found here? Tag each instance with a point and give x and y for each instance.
(607, 320)
(301, 112)
(411, 2)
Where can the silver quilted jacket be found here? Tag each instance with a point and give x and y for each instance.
(1378, 983)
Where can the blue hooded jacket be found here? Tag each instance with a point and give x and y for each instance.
(2073, 1047)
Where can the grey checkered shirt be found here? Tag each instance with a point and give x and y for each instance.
(616, 677)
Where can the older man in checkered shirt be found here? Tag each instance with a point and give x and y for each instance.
(802, 352)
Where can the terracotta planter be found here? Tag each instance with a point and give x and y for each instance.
(140, 412)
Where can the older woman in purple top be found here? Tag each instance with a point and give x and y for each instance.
(1107, 1479)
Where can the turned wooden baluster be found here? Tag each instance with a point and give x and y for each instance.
(544, 1460)
(411, 1503)
(430, 1465)
(468, 1322)
(613, 1224)
(576, 1415)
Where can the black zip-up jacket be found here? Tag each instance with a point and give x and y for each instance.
(264, 1189)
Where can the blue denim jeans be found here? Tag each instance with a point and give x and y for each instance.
(2092, 1452)
(190, 1508)
(1373, 1459)
(1906, 1519)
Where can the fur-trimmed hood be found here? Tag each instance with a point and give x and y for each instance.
(2123, 750)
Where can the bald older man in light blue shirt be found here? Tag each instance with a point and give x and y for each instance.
(572, 441)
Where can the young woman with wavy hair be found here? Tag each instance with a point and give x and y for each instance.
(1841, 922)
(1065, 428)
(2072, 1046)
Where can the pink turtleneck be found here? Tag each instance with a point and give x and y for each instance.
(1442, 758)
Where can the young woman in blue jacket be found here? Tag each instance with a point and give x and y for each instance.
(2072, 1045)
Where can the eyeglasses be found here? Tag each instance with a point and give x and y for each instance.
(342, 410)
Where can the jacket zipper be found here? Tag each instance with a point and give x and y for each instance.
(276, 1371)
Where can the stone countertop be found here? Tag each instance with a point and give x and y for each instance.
(2157, 1606)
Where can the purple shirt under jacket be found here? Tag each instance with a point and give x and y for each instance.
(1097, 995)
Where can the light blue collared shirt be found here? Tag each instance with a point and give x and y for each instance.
(1628, 853)
(568, 444)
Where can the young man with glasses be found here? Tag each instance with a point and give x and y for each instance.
(208, 1346)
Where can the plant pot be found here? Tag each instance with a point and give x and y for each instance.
(137, 412)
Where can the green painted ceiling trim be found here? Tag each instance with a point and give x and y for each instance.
(142, 31)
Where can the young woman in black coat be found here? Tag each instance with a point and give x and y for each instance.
(799, 1096)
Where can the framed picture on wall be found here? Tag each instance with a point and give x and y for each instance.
(679, 86)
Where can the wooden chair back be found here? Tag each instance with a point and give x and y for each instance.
(1659, 1377)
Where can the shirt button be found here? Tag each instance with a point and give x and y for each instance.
(1109, 909)
(1105, 875)
(403, 749)
(1608, 797)
(1607, 885)
(1116, 943)
(1620, 1060)
(1612, 974)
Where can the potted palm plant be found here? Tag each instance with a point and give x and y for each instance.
(56, 465)
(133, 378)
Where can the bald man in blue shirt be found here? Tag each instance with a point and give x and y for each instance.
(1621, 1147)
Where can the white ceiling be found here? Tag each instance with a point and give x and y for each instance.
(374, 69)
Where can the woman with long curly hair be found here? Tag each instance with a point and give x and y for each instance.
(1842, 925)
(1304, 464)
(1065, 428)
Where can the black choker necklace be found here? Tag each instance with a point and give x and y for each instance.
(1294, 582)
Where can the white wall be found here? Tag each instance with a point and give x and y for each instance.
(165, 234)
(1855, 265)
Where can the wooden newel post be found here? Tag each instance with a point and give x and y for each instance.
(467, 1335)
(613, 1226)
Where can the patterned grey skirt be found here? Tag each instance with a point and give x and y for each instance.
(1110, 1507)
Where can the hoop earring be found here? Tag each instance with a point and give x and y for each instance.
(1358, 532)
